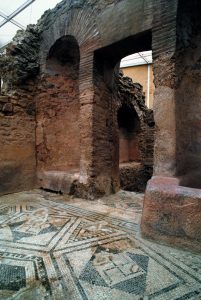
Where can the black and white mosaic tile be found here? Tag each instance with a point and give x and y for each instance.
(56, 250)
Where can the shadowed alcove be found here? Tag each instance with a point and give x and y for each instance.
(129, 127)
(58, 131)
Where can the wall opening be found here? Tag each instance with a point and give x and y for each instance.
(136, 150)
(139, 67)
(122, 137)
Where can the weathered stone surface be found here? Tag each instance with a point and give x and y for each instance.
(172, 205)
(58, 181)
(171, 212)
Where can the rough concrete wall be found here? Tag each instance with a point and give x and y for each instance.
(20, 60)
(134, 176)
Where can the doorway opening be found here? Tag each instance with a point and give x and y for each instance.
(137, 80)
(129, 132)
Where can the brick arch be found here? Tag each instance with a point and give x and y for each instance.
(135, 173)
(77, 22)
(81, 24)
(58, 113)
(64, 53)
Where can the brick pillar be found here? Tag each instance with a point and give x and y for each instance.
(86, 90)
(97, 175)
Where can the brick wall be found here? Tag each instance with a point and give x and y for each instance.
(17, 142)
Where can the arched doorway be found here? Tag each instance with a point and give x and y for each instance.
(58, 131)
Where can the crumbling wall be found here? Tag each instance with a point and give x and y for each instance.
(134, 175)
(18, 67)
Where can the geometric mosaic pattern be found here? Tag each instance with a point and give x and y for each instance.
(56, 250)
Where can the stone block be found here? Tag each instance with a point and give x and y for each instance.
(172, 213)
(58, 181)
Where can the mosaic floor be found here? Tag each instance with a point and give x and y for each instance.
(55, 247)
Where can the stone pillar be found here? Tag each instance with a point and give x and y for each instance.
(164, 47)
(172, 211)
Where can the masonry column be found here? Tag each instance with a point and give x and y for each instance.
(164, 48)
(86, 117)
(97, 176)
